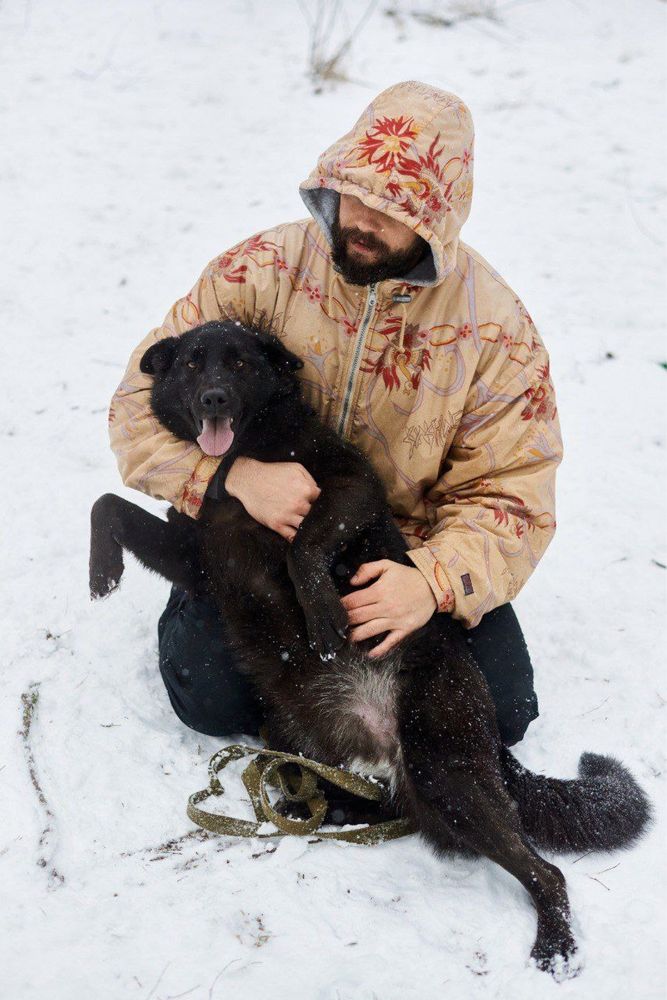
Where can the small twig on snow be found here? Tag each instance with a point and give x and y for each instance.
(582, 857)
(600, 882)
(610, 869)
(594, 709)
(30, 699)
(158, 981)
(222, 972)
(173, 846)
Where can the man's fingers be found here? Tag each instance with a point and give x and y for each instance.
(388, 643)
(361, 598)
(357, 616)
(368, 571)
(314, 491)
(306, 475)
(374, 627)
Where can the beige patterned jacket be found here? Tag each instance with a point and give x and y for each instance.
(440, 379)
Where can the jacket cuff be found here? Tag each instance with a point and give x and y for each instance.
(194, 491)
(434, 575)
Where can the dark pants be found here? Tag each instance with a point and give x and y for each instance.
(210, 696)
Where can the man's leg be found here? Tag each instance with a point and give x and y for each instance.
(206, 690)
(499, 649)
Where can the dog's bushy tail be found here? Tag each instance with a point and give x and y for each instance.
(601, 810)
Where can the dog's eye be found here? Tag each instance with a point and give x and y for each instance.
(239, 363)
(191, 364)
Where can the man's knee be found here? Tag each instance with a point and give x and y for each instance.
(499, 649)
(215, 716)
(205, 688)
(514, 718)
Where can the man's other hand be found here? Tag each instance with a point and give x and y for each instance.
(277, 494)
(399, 602)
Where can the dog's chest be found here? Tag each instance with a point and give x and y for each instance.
(243, 562)
(238, 551)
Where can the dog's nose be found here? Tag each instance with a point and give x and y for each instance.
(214, 401)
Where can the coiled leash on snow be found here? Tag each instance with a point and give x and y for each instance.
(297, 779)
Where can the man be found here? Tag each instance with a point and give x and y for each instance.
(417, 351)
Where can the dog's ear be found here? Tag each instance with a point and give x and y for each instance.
(281, 359)
(159, 357)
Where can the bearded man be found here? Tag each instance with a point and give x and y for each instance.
(417, 351)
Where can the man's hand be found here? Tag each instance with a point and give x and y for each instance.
(277, 494)
(399, 602)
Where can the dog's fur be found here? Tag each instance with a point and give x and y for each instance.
(422, 714)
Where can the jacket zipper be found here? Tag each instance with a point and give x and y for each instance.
(370, 307)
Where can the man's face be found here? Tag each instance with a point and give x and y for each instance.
(369, 246)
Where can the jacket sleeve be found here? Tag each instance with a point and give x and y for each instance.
(492, 510)
(150, 458)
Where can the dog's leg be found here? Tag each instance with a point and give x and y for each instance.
(167, 548)
(478, 814)
(347, 506)
(326, 618)
(452, 786)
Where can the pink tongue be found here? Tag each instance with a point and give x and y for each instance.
(217, 436)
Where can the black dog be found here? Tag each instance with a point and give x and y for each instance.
(423, 712)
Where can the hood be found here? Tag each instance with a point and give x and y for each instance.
(409, 155)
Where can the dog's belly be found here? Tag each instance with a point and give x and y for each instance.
(348, 717)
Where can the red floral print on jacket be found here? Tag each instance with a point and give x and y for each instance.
(385, 141)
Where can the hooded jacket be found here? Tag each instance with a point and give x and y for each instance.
(440, 378)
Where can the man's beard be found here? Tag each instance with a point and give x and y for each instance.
(387, 264)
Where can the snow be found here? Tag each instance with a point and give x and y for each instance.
(139, 140)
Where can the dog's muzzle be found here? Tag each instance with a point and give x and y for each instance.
(217, 435)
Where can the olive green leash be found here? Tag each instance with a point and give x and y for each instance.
(296, 777)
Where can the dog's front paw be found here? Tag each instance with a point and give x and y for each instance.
(106, 569)
(326, 627)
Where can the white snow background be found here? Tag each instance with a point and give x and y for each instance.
(139, 139)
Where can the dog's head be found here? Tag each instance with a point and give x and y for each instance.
(213, 381)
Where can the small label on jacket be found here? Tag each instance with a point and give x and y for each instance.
(467, 584)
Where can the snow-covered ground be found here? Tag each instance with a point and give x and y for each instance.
(139, 139)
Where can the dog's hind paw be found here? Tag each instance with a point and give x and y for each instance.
(562, 960)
